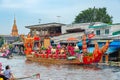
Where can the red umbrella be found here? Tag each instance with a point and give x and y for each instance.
(72, 39)
(91, 35)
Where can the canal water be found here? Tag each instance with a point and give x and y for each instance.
(21, 68)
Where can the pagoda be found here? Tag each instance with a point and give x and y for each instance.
(14, 29)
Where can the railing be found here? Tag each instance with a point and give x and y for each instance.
(56, 34)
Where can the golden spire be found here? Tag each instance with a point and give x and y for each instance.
(14, 28)
(14, 20)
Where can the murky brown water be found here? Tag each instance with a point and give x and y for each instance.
(21, 68)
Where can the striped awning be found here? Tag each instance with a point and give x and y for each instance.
(100, 26)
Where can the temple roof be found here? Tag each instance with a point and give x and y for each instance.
(14, 29)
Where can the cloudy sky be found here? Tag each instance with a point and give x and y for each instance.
(31, 12)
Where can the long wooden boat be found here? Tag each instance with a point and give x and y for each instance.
(52, 60)
(85, 58)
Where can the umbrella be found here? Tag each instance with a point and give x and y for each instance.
(91, 35)
(72, 39)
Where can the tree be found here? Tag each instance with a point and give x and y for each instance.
(93, 15)
(1, 41)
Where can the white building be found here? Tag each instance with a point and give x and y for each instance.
(106, 30)
(78, 27)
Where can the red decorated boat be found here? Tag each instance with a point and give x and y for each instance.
(37, 53)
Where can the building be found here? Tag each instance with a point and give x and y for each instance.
(8, 39)
(49, 29)
(107, 31)
(14, 36)
(60, 32)
(14, 31)
(58, 29)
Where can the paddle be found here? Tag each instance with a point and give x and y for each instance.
(37, 76)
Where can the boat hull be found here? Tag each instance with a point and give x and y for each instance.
(52, 60)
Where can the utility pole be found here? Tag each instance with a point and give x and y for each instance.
(39, 21)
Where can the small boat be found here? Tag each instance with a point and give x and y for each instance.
(4, 57)
(6, 54)
(7, 57)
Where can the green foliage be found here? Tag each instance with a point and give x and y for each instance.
(88, 54)
(10, 46)
(43, 48)
(17, 39)
(93, 15)
(77, 51)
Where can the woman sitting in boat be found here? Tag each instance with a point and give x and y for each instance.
(48, 51)
(63, 52)
(71, 50)
(77, 50)
(53, 50)
(57, 52)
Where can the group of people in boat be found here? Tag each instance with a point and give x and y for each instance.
(6, 74)
(57, 51)
(33, 46)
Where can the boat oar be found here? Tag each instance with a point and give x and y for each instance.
(4, 57)
(37, 76)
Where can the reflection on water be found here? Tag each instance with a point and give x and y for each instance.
(21, 68)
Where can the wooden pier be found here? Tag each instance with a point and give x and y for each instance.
(111, 63)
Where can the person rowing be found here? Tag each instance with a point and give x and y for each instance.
(2, 76)
(8, 73)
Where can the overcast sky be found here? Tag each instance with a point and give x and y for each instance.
(31, 12)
